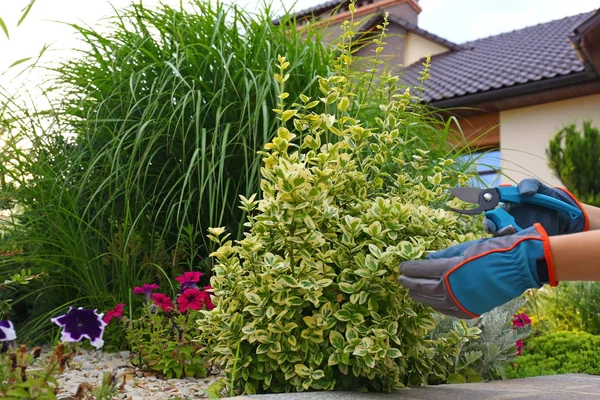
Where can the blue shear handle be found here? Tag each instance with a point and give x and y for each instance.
(501, 218)
(510, 194)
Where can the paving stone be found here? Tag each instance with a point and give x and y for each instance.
(553, 387)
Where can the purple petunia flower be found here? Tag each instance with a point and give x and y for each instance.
(7, 331)
(79, 323)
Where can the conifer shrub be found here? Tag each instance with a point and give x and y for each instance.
(574, 156)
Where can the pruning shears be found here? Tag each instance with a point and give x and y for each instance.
(488, 199)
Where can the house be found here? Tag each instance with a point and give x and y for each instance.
(519, 87)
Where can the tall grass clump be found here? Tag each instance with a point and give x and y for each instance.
(152, 133)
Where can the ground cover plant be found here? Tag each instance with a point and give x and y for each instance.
(488, 355)
(558, 353)
(309, 298)
(151, 135)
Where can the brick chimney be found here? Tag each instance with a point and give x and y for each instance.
(407, 10)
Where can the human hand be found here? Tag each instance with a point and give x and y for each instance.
(472, 278)
(525, 214)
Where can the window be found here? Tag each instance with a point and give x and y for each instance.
(488, 168)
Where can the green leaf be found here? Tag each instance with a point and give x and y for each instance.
(288, 114)
(263, 348)
(346, 287)
(21, 61)
(4, 28)
(343, 315)
(302, 370)
(26, 12)
(336, 339)
(456, 378)
(357, 319)
(318, 374)
(253, 297)
(343, 104)
(393, 353)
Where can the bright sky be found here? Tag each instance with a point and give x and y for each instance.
(455, 20)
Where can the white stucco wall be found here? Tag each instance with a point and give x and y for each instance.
(418, 47)
(525, 133)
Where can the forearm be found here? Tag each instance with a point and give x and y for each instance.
(576, 257)
(593, 216)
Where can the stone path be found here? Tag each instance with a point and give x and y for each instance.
(554, 387)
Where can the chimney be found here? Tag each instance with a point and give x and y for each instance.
(408, 10)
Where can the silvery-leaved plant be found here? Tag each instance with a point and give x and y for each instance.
(309, 299)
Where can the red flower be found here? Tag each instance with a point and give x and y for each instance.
(520, 320)
(116, 312)
(146, 289)
(207, 298)
(163, 301)
(190, 298)
(189, 277)
(519, 345)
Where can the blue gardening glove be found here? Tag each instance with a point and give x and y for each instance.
(554, 222)
(472, 278)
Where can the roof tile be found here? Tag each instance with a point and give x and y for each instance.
(526, 55)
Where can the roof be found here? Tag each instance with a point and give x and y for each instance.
(422, 32)
(324, 7)
(533, 54)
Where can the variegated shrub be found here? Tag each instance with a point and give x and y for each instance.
(309, 299)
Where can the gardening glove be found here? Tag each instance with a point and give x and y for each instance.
(472, 278)
(554, 222)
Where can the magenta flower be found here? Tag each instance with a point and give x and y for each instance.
(206, 297)
(189, 279)
(519, 345)
(163, 301)
(520, 320)
(116, 312)
(79, 323)
(190, 298)
(146, 289)
(7, 331)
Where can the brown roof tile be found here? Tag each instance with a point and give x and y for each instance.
(522, 56)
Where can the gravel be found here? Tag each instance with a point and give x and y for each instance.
(89, 367)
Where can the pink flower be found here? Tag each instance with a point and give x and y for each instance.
(520, 320)
(519, 345)
(146, 289)
(190, 298)
(116, 312)
(189, 279)
(207, 298)
(163, 301)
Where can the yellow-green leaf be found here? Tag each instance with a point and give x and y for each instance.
(288, 114)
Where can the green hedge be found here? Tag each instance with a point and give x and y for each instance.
(558, 353)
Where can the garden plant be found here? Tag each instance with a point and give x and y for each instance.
(309, 298)
(126, 197)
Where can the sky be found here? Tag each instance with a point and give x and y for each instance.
(454, 20)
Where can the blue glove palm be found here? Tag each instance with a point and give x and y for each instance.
(554, 222)
(472, 278)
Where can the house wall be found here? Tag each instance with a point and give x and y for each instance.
(525, 133)
(418, 47)
(393, 50)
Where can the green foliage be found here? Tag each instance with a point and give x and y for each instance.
(151, 135)
(487, 356)
(571, 306)
(26, 375)
(164, 343)
(19, 380)
(10, 287)
(558, 353)
(574, 156)
(309, 299)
